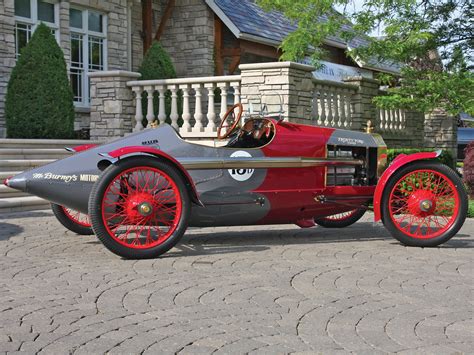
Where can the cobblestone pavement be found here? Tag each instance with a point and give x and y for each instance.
(277, 289)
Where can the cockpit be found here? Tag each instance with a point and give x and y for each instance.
(256, 132)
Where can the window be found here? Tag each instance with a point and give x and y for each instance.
(28, 14)
(88, 50)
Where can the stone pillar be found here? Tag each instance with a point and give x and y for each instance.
(112, 104)
(414, 121)
(441, 131)
(286, 82)
(362, 107)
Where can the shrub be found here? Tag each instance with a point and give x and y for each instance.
(468, 168)
(39, 100)
(156, 65)
(446, 157)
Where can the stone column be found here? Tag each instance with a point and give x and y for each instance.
(288, 83)
(112, 104)
(441, 131)
(362, 107)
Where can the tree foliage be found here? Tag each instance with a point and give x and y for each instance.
(39, 100)
(431, 40)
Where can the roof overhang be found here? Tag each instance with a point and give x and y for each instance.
(274, 43)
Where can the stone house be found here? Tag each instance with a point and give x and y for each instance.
(203, 37)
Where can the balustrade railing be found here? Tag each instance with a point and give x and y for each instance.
(390, 121)
(331, 104)
(192, 102)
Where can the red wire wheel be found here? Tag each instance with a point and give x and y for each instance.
(424, 204)
(140, 207)
(341, 220)
(73, 220)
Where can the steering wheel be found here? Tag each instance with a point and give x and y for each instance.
(229, 112)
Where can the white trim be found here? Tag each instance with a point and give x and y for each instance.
(34, 21)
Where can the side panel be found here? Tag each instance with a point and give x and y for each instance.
(400, 161)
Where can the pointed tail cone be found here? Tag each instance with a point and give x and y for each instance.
(17, 182)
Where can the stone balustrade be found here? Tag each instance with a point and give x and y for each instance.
(195, 97)
(391, 121)
(121, 103)
(331, 104)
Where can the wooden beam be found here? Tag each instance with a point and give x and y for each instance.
(218, 46)
(234, 64)
(260, 49)
(231, 52)
(164, 19)
(147, 23)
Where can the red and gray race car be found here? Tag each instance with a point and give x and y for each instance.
(138, 194)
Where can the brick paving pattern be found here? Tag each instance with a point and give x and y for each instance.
(277, 289)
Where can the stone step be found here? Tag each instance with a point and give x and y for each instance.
(23, 203)
(6, 174)
(6, 192)
(22, 164)
(43, 143)
(30, 153)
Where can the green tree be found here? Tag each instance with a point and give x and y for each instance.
(432, 41)
(39, 100)
(156, 65)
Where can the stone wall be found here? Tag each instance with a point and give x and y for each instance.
(112, 104)
(118, 42)
(188, 36)
(7, 54)
(440, 131)
(280, 83)
(137, 41)
(362, 107)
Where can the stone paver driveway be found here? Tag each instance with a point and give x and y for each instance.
(277, 289)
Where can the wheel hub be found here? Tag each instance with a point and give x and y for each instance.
(145, 209)
(422, 203)
(139, 206)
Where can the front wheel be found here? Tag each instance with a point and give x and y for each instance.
(341, 220)
(424, 204)
(139, 207)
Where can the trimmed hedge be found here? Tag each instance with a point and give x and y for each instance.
(470, 211)
(468, 168)
(39, 100)
(156, 65)
(446, 157)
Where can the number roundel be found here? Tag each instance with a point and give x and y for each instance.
(240, 174)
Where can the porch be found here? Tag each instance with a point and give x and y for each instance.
(195, 106)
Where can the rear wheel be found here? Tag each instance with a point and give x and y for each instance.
(341, 220)
(139, 207)
(424, 204)
(73, 220)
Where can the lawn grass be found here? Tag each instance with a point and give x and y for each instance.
(470, 210)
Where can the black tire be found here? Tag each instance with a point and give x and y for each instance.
(101, 227)
(68, 222)
(456, 220)
(328, 222)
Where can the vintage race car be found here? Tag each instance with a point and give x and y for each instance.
(142, 191)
